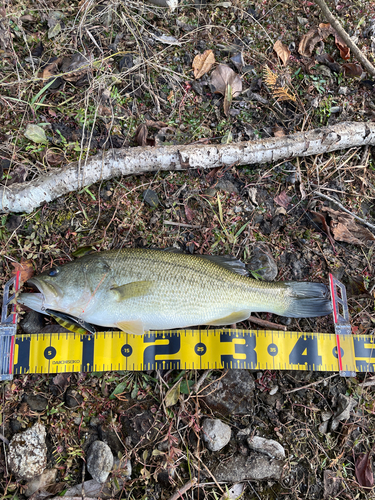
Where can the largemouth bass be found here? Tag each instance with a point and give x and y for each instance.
(137, 290)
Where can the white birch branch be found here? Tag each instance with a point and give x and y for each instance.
(118, 162)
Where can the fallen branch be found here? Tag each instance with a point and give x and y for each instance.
(349, 42)
(117, 162)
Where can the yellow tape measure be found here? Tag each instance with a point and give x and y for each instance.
(192, 349)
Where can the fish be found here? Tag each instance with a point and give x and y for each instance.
(138, 290)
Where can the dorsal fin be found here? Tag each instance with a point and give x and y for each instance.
(229, 262)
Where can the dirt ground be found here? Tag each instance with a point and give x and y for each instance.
(101, 75)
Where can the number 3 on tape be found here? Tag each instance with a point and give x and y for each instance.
(343, 330)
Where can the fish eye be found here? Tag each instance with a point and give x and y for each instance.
(53, 272)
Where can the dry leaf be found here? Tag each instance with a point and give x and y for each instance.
(189, 213)
(172, 396)
(25, 267)
(227, 99)
(325, 30)
(282, 199)
(352, 69)
(308, 42)
(278, 131)
(282, 51)
(141, 134)
(344, 228)
(202, 63)
(363, 470)
(223, 75)
(343, 48)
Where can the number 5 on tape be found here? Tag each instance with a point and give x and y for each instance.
(343, 330)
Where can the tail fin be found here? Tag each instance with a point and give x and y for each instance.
(308, 300)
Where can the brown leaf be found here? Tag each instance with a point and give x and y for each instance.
(352, 69)
(282, 51)
(325, 30)
(25, 267)
(53, 158)
(223, 75)
(363, 470)
(282, 199)
(343, 48)
(320, 220)
(356, 287)
(141, 134)
(344, 228)
(308, 42)
(189, 213)
(202, 63)
(62, 380)
(278, 131)
(227, 99)
(52, 68)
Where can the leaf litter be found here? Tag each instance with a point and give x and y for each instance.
(100, 103)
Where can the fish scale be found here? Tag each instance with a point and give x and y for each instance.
(138, 290)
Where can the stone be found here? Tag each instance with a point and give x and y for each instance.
(32, 323)
(27, 457)
(226, 186)
(73, 398)
(99, 461)
(232, 394)
(151, 198)
(256, 467)
(42, 482)
(267, 446)
(36, 402)
(216, 434)
(263, 263)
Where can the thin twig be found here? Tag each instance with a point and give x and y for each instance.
(186, 487)
(311, 385)
(266, 324)
(197, 386)
(3, 438)
(368, 224)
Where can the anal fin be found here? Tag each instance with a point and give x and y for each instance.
(234, 317)
(134, 327)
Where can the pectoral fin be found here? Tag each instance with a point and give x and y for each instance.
(133, 327)
(235, 317)
(131, 290)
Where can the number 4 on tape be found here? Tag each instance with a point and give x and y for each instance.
(343, 330)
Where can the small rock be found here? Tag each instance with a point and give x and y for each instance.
(267, 446)
(36, 402)
(13, 222)
(226, 186)
(263, 263)
(216, 434)
(46, 479)
(72, 398)
(343, 90)
(99, 461)
(123, 468)
(151, 198)
(232, 394)
(274, 390)
(27, 456)
(255, 467)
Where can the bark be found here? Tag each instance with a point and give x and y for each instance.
(118, 162)
(349, 42)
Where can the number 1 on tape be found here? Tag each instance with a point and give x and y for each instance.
(343, 330)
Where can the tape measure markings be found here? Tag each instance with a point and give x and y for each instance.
(191, 349)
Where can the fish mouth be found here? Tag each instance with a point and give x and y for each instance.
(44, 296)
